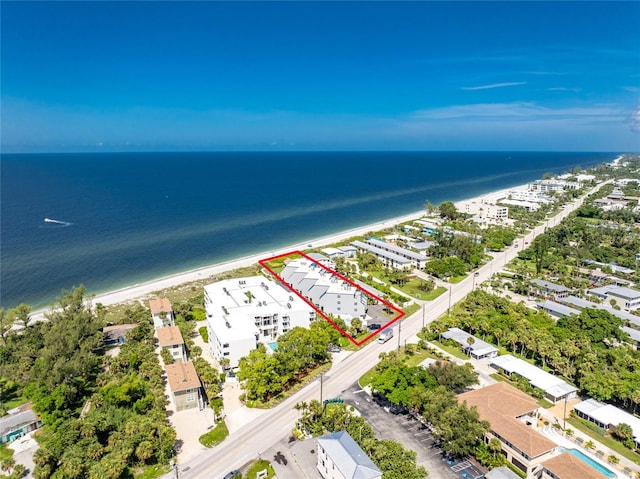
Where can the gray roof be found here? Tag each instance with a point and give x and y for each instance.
(620, 291)
(346, 248)
(348, 457)
(557, 308)
(634, 334)
(502, 472)
(318, 257)
(380, 252)
(368, 288)
(479, 346)
(583, 303)
(12, 422)
(422, 244)
(396, 249)
(549, 286)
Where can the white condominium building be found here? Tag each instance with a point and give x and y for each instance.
(330, 293)
(242, 312)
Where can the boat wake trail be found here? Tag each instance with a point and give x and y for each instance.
(57, 222)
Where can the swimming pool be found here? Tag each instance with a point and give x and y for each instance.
(273, 346)
(584, 458)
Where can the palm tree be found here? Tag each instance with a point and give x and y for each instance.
(470, 342)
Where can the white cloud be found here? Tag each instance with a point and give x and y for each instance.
(494, 85)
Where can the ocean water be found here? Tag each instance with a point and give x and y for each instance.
(129, 217)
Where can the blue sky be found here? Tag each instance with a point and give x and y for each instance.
(303, 75)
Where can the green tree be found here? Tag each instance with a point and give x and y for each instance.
(448, 210)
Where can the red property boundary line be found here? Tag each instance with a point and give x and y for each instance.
(263, 263)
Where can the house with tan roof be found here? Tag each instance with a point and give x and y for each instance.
(185, 385)
(512, 416)
(161, 312)
(568, 466)
(170, 338)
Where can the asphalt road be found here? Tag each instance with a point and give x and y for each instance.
(248, 442)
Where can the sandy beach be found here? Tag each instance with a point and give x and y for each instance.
(144, 290)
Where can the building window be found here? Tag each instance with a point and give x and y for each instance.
(191, 397)
(225, 345)
(226, 353)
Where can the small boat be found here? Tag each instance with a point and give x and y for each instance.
(58, 222)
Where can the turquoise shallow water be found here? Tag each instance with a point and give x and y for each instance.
(131, 217)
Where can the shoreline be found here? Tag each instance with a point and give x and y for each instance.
(144, 290)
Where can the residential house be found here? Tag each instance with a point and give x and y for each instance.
(185, 385)
(18, 422)
(170, 338)
(244, 311)
(583, 303)
(634, 336)
(556, 310)
(117, 334)
(161, 312)
(607, 416)
(340, 457)
(333, 253)
(320, 259)
(555, 389)
(348, 250)
(627, 298)
(474, 347)
(547, 289)
(512, 416)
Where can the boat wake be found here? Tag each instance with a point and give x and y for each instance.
(57, 222)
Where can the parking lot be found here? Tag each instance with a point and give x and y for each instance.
(402, 428)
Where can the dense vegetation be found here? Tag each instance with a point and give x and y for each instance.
(104, 416)
(574, 347)
(394, 461)
(300, 350)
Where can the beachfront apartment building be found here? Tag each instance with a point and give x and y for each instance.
(170, 338)
(161, 312)
(512, 416)
(388, 259)
(242, 312)
(552, 186)
(328, 291)
(547, 289)
(417, 260)
(627, 298)
(530, 206)
(486, 210)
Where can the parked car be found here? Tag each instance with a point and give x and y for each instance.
(334, 348)
(233, 474)
(373, 326)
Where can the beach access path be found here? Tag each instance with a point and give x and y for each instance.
(249, 441)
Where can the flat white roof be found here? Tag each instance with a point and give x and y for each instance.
(537, 377)
(331, 251)
(230, 304)
(380, 252)
(610, 415)
(396, 249)
(321, 276)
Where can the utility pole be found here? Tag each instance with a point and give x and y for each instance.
(424, 306)
(321, 390)
(450, 289)
(399, 331)
(564, 416)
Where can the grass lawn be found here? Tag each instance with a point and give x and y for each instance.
(278, 264)
(215, 436)
(409, 310)
(258, 466)
(152, 472)
(5, 452)
(608, 441)
(457, 279)
(451, 350)
(434, 294)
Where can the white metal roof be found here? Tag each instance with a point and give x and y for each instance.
(549, 383)
(610, 415)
